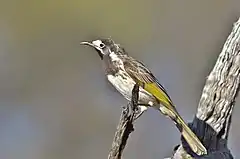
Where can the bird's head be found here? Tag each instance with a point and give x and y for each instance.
(104, 46)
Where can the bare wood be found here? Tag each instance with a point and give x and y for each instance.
(125, 126)
(221, 89)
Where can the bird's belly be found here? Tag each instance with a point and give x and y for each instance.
(125, 85)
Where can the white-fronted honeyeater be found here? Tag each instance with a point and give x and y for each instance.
(123, 71)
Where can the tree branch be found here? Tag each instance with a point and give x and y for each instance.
(125, 126)
(220, 90)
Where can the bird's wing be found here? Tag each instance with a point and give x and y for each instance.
(144, 77)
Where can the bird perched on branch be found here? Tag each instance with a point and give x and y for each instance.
(123, 72)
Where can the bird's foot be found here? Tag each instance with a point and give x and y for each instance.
(139, 111)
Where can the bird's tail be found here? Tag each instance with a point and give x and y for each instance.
(169, 109)
(190, 137)
(192, 140)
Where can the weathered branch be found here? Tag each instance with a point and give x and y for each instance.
(220, 90)
(125, 126)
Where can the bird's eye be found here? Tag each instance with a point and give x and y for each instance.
(101, 45)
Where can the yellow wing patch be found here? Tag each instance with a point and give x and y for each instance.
(158, 93)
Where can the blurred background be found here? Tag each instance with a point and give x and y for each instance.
(55, 102)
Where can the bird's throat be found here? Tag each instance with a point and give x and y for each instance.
(99, 53)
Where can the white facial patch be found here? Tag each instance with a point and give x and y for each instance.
(97, 46)
(97, 42)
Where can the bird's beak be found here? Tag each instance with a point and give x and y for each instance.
(86, 43)
(94, 46)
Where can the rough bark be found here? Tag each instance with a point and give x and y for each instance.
(220, 90)
(125, 126)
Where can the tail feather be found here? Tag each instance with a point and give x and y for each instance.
(190, 137)
(193, 141)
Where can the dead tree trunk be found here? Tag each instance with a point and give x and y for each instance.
(220, 90)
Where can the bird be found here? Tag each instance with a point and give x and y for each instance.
(123, 72)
